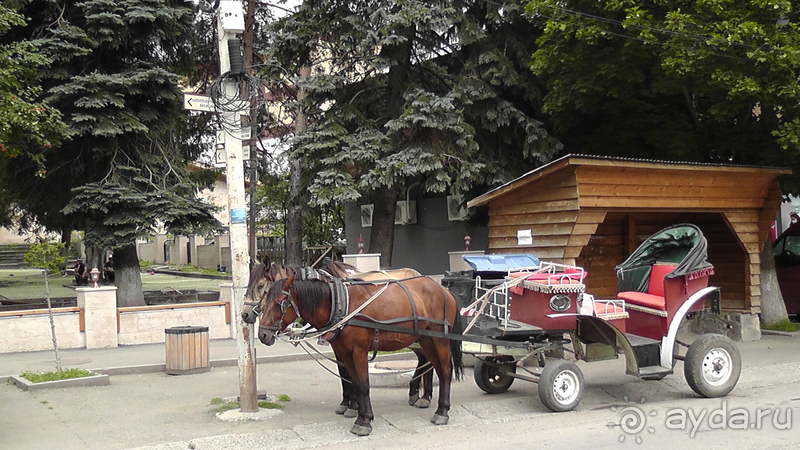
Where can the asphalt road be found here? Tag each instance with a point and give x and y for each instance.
(160, 412)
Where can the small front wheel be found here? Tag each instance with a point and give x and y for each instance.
(490, 375)
(561, 386)
(712, 365)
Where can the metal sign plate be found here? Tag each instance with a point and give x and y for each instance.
(197, 102)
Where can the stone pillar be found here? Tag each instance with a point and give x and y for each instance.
(99, 307)
(194, 242)
(364, 262)
(180, 256)
(226, 295)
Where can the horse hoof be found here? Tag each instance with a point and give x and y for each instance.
(341, 409)
(412, 399)
(423, 403)
(439, 419)
(350, 413)
(361, 430)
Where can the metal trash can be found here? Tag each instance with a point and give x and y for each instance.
(461, 284)
(187, 350)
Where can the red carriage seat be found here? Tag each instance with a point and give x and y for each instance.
(654, 297)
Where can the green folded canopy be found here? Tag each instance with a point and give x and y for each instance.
(683, 245)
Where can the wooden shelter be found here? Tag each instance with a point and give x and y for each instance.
(594, 211)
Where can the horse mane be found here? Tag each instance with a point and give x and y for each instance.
(310, 293)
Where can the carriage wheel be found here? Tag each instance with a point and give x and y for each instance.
(561, 386)
(490, 375)
(712, 365)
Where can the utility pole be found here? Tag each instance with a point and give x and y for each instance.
(230, 20)
(247, 38)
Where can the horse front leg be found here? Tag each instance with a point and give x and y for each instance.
(360, 379)
(348, 407)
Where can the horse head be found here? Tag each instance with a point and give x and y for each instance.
(279, 310)
(257, 286)
(262, 277)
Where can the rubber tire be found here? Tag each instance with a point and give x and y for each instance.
(487, 378)
(711, 346)
(554, 372)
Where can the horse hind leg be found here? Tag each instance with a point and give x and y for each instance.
(422, 377)
(438, 353)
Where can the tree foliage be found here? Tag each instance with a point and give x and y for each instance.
(414, 91)
(712, 81)
(43, 254)
(114, 74)
(322, 224)
(110, 77)
(26, 123)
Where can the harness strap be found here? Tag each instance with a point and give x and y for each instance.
(402, 319)
(413, 307)
(446, 323)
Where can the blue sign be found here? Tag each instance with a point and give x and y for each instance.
(238, 216)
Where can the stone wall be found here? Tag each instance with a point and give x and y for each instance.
(98, 323)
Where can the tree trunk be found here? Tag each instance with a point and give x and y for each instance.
(381, 238)
(66, 239)
(294, 213)
(773, 308)
(128, 277)
(94, 258)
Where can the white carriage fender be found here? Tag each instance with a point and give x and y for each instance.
(668, 341)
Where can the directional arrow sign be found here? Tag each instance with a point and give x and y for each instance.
(197, 102)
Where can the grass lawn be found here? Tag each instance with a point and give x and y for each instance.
(29, 283)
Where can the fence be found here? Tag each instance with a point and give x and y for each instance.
(97, 323)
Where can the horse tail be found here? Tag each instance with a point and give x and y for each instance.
(456, 357)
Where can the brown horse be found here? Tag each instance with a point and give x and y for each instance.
(415, 306)
(265, 273)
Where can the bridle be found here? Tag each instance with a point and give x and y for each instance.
(284, 304)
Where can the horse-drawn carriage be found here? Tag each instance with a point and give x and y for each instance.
(534, 311)
(661, 287)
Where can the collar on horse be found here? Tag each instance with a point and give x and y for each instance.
(340, 302)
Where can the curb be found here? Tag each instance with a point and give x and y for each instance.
(227, 362)
(786, 334)
(97, 380)
(194, 275)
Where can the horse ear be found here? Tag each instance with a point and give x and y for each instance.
(288, 282)
(266, 261)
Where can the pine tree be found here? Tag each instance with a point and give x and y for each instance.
(435, 92)
(122, 171)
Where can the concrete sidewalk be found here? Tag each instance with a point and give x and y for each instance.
(146, 358)
(155, 411)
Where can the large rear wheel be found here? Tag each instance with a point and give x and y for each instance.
(712, 365)
(561, 385)
(490, 375)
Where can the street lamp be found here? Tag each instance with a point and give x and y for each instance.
(95, 274)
